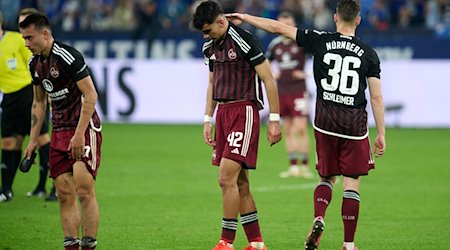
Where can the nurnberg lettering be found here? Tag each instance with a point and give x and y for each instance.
(345, 45)
(347, 100)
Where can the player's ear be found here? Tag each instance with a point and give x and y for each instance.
(335, 17)
(221, 21)
(358, 20)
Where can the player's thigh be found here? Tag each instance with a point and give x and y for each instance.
(83, 179)
(64, 185)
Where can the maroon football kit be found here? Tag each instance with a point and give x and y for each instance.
(58, 74)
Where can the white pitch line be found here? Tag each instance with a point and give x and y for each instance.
(285, 187)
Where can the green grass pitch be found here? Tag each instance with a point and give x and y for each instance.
(157, 190)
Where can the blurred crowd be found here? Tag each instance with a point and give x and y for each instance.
(175, 15)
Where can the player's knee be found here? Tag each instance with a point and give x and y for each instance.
(65, 195)
(84, 193)
(225, 182)
(12, 143)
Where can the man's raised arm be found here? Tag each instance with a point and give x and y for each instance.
(269, 25)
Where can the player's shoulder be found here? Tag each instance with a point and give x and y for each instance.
(363, 44)
(66, 52)
(243, 38)
(206, 46)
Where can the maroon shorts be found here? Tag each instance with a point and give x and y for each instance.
(237, 133)
(60, 160)
(295, 104)
(340, 156)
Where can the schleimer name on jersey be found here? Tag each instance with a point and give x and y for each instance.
(334, 45)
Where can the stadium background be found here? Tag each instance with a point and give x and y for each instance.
(134, 46)
(155, 187)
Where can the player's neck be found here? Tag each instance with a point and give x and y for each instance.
(2, 33)
(345, 30)
(47, 50)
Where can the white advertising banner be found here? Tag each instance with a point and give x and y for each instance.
(173, 91)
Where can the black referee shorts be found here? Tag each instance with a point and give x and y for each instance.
(16, 113)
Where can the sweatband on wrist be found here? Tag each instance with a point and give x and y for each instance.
(274, 117)
(207, 118)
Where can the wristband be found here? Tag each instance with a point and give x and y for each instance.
(274, 117)
(207, 118)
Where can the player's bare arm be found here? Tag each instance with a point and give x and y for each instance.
(86, 87)
(264, 72)
(37, 117)
(376, 100)
(209, 111)
(269, 25)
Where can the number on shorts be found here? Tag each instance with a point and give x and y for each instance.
(234, 139)
(87, 150)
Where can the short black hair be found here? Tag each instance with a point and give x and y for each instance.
(38, 19)
(348, 10)
(206, 13)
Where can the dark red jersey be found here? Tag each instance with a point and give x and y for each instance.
(58, 74)
(290, 57)
(232, 60)
(341, 66)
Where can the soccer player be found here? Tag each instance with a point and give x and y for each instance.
(43, 150)
(15, 83)
(59, 71)
(293, 99)
(237, 65)
(343, 67)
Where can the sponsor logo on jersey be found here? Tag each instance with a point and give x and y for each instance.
(48, 86)
(235, 151)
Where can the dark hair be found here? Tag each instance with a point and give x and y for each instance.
(38, 19)
(206, 13)
(348, 10)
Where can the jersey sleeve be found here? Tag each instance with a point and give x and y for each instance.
(252, 49)
(373, 65)
(31, 65)
(206, 55)
(307, 38)
(76, 65)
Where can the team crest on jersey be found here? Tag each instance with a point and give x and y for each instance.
(54, 72)
(231, 54)
(48, 86)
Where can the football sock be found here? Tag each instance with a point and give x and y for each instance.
(43, 168)
(322, 198)
(349, 245)
(10, 163)
(293, 158)
(304, 158)
(251, 227)
(229, 227)
(71, 243)
(88, 242)
(350, 211)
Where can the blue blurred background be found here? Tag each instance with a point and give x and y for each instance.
(147, 63)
